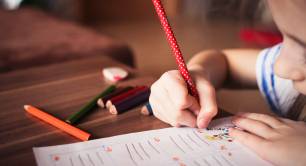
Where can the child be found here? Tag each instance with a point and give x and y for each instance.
(280, 74)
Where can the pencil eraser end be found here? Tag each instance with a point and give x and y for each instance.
(114, 74)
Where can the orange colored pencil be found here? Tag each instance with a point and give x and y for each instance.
(82, 135)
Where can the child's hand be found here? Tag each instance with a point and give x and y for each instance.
(172, 104)
(280, 141)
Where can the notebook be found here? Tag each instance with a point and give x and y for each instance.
(169, 146)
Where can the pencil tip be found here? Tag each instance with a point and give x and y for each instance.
(113, 110)
(144, 110)
(26, 107)
(100, 103)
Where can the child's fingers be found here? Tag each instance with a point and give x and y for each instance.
(159, 115)
(181, 116)
(176, 88)
(173, 116)
(269, 120)
(190, 104)
(164, 109)
(193, 106)
(287, 122)
(252, 141)
(184, 118)
(157, 108)
(253, 126)
(208, 103)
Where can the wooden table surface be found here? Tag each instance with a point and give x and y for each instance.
(60, 90)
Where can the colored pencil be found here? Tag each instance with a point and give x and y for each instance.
(102, 101)
(82, 135)
(175, 48)
(72, 119)
(124, 95)
(130, 102)
(146, 109)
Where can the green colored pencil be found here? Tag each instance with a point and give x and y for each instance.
(88, 107)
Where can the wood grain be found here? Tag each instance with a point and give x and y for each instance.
(57, 72)
(60, 90)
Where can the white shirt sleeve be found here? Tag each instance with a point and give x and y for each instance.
(279, 93)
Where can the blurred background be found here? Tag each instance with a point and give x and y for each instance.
(42, 32)
(198, 25)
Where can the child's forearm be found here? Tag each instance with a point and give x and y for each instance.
(229, 67)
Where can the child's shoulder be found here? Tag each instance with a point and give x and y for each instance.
(278, 92)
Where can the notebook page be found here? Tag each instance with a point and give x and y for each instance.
(169, 146)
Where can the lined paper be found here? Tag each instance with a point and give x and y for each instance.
(170, 146)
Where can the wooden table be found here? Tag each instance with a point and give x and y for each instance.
(60, 89)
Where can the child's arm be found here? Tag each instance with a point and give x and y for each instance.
(233, 67)
(210, 69)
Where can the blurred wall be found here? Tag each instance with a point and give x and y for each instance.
(106, 10)
(122, 10)
(99, 11)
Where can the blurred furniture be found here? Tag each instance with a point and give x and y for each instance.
(30, 37)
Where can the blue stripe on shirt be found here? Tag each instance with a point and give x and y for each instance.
(265, 85)
(272, 76)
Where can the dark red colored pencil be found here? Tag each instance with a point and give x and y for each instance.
(130, 102)
(102, 101)
(124, 95)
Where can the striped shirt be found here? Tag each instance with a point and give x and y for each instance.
(278, 92)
